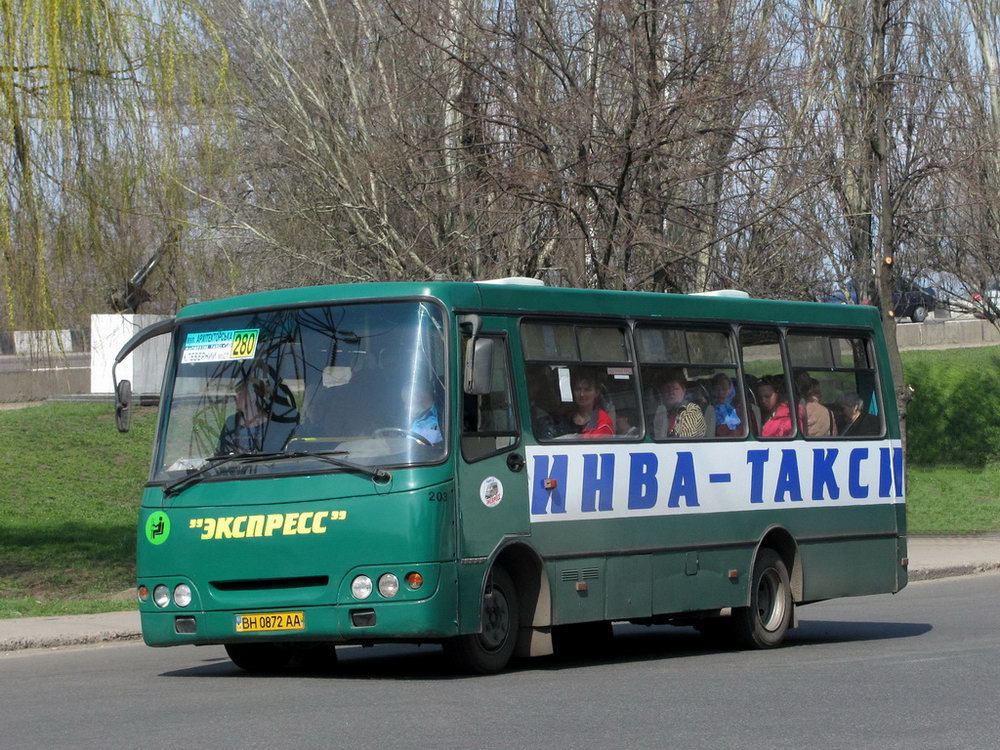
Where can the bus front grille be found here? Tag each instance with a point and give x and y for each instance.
(265, 584)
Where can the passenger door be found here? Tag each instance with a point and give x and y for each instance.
(492, 480)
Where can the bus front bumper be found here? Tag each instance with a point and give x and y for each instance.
(375, 619)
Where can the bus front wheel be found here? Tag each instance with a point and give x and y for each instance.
(261, 658)
(489, 650)
(764, 623)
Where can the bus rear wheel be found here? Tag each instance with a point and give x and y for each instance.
(764, 623)
(489, 650)
(260, 658)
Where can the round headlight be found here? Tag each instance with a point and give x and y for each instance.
(388, 585)
(361, 587)
(161, 596)
(182, 595)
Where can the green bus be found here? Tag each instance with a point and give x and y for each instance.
(507, 468)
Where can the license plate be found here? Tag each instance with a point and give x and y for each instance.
(259, 622)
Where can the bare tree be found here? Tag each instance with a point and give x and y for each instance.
(966, 197)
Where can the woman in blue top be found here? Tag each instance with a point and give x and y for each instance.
(728, 421)
(425, 421)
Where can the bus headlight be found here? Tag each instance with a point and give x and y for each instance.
(388, 585)
(182, 595)
(161, 596)
(361, 587)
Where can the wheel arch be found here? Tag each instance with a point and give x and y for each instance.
(531, 583)
(781, 541)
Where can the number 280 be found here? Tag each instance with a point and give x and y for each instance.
(244, 343)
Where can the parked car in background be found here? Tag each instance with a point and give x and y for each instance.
(909, 300)
(913, 301)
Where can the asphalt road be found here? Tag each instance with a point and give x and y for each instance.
(917, 670)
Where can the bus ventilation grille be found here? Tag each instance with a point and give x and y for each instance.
(258, 584)
(587, 574)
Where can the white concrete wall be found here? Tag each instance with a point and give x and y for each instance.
(144, 366)
(42, 343)
(948, 334)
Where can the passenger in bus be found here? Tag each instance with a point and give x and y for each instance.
(626, 424)
(775, 409)
(587, 418)
(728, 420)
(676, 416)
(249, 429)
(819, 420)
(857, 422)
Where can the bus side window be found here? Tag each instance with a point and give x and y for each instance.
(489, 424)
(766, 375)
(690, 387)
(835, 384)
(564, 361)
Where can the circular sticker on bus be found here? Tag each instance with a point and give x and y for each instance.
(491, 492)
(158, 527)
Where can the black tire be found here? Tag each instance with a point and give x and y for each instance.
(919, 314)
(583, 639)
(489, 651)
(764, 623)
(315, 658)
(259, 658)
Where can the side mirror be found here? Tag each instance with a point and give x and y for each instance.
(478, 377)
(123, 405)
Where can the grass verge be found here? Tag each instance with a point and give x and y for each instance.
(68, 508)
(29, 607)
(953, 499)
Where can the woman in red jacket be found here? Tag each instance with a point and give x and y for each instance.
(775, 409)
(589, 419)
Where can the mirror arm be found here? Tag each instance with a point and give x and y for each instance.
(472, 323)
(151, 331)
(156, 329)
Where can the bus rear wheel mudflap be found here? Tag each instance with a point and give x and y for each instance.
(765, 621)
(489, 650)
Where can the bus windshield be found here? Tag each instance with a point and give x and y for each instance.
(362, 382)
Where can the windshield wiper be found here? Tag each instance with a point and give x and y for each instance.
(213, 462)
(178, 486)
(378, 475)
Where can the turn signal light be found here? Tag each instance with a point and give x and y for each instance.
(414, 580)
